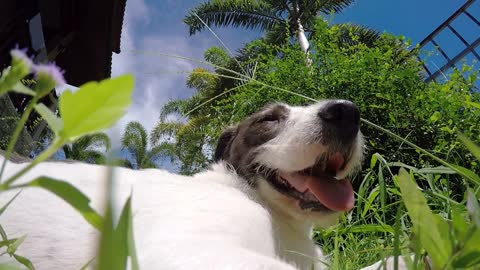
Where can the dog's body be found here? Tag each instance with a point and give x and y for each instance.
(254, 209)
(180, 222)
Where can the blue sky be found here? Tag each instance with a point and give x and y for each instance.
(152, 27)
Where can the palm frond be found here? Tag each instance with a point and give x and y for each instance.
(326, 6)
(93, 156)
(351, 34)
(67, 150)
(122, 163)
(97, 140)
(194, 124)
(174, 106)
(166, 149)
(217, 56)
(249, 14)
(164, 129)
(135, 140)
(100, 140)
(202, 79)
(146, 164)
(277, 36)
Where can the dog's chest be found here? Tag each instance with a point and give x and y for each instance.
(294, 244)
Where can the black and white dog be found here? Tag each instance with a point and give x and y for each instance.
(278, 174)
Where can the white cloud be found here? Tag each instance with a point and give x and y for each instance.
(157, 77)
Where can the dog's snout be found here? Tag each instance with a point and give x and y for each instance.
(341, 111)
(343, 117)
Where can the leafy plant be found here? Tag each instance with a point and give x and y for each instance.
(93, 107)
(383, 80)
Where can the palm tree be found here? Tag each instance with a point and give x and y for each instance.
(135, 141)
(273, 17)
(185, 139)
(90, 148)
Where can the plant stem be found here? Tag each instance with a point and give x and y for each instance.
(43, 156)
(17, 131)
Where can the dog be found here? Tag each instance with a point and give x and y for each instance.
(278, 174)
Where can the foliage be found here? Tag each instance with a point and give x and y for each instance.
(175, 136)
(93, 107)
(431, 229)
(89, 148)
(279, 19)
(384, 81)
(135, 141)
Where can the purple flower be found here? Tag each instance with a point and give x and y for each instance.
(51, 71)
(21, 61)
(21, 55)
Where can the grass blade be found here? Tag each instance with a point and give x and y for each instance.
(8, 203)
(428, 227)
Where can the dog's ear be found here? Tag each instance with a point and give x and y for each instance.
(224, 142)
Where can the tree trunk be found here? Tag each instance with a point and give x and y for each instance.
(302, 38)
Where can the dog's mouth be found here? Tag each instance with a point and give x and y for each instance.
(316, 188)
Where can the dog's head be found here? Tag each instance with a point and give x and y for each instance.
(298, 158)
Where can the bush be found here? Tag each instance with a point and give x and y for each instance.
(386, 83)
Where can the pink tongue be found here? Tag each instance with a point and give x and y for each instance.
(334, 194)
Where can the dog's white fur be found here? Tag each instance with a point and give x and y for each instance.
(213, 220)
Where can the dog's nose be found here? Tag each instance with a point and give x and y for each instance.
(342, 117)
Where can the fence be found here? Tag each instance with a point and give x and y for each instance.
(456, 39)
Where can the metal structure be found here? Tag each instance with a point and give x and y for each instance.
(450, 60)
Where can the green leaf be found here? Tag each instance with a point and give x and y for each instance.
(473, 104)
(471, 243)
(24, 261)
(13, 247)
(89, 264)
(22, 89)
(427, 226)
(460, 225)
(95, 106)
(131, 240)
(120, 235)
(436, 170)
(53, 121)
(471, 146)
(468, 260)
(72, 196)
(373, 161)
(8, 203)
(3, 234)
(124, 234)
(467, 173)
(107, 258)
(473, 208)
(7, 266)
(367, 228)
(435, 116)
(7, 242)
(117, 244)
